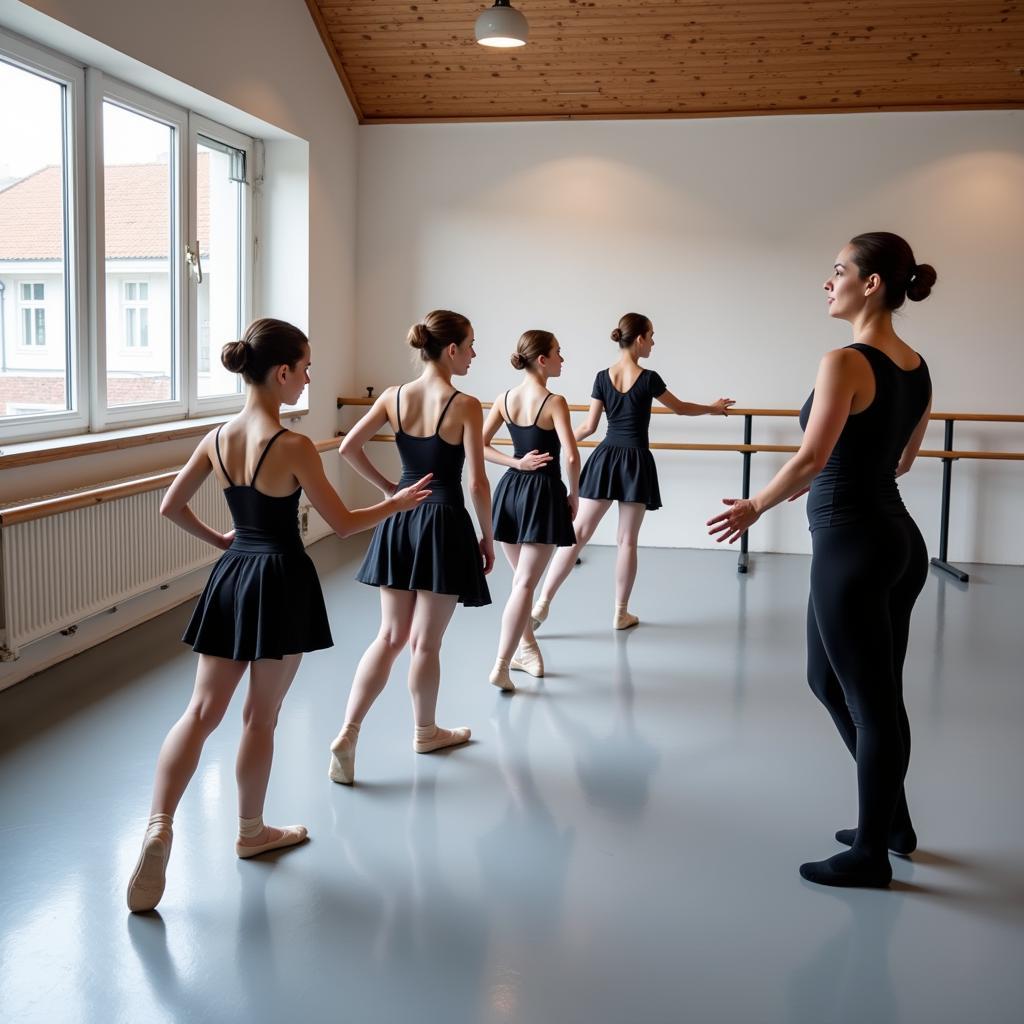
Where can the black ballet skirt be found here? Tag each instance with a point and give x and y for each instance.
(621, 467)
(263, 597)
(532, 506)
(433, 546)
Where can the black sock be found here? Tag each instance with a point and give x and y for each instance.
(849, 870)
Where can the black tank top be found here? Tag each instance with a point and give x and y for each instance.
(859, 479)
(431, 454)
(534, 438)
(264, 524)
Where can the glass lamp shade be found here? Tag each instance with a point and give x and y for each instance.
(501, 25)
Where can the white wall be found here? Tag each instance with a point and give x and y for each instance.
(722, 231)
(248, 64)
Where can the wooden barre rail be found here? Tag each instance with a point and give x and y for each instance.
(965, 417)
(673, 446)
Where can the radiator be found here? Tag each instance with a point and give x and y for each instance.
(64, 568)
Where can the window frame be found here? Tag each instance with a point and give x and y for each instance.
(202, 127)
(34, 59)
(86, 89)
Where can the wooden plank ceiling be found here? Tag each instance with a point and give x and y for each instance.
(416, 60)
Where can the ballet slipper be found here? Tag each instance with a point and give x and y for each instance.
(529, 659)
(342, 767)
(623, 619)
(146, 886)
(539, 613)
(432, 737)
(499, 675)
(250, 828)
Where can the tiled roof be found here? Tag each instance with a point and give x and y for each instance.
(136, 198)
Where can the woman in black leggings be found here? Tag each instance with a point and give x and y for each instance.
(863, 425)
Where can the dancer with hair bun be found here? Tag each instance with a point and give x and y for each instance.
(262, 606)
(621, 468)
(533, 511)
(427, 560)
(863, 426)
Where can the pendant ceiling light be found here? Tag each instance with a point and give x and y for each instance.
(502, 25)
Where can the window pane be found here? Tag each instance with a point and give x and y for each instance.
(35, 367)
(220, 202)
(139, 223)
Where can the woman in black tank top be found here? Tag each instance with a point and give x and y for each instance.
(428, 560)
(262, 606)
(532, 510)
(864, 424)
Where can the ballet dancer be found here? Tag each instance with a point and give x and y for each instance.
(532, 511)
(427, 560)
(262, 606)
(621, 468)
(863, 426)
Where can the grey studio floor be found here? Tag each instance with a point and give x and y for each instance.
(619, 843)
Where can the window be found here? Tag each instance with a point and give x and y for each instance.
(39, 268)
(121, 323)
(33, 313)
(136, 314)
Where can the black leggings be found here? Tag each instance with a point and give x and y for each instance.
(865, 578)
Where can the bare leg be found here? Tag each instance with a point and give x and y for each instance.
(216, 679)
(372, 673)
(430, 618)
(631, 517)
(529, 561)
(590, 514)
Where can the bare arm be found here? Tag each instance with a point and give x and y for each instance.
(834, 390)
(309, 471)
(479, 488)
(180, 493)
(530, 461)
(563, 425)
(914, 444)
(681, 408)
(589, 425)
(353, 447)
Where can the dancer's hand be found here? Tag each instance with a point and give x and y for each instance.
(799, 494)
(722, 406)
(574, 504)
(391, 490)
(487, 553)
(735, 522)
(226, 540)
(533, 460)
(413, 495)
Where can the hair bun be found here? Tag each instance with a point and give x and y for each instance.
(921, 281)
(518, 362)
(616, 335)
(419, 335)
(234, 355)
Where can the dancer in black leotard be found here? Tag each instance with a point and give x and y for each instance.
(621, 468)
(864, 424)
(532, 510)
(262, 606)
(428, 560)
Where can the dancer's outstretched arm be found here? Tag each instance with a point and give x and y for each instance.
(834, 391)
(681, 408)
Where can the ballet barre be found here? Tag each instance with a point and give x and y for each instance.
(747, 449)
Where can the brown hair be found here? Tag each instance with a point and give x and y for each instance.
(266, 343)
(631, 327)
(892, 259)
(436, 331)
(532, 345)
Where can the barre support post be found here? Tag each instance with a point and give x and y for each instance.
(743, 562)
(947, 473)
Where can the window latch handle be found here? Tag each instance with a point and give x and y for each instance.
(194, 261)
